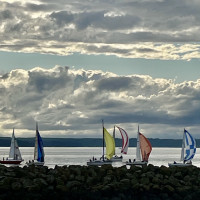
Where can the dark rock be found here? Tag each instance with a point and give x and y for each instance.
(16, 186)
(26, 183)
(106, 182)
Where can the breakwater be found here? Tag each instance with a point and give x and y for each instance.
(106, 182)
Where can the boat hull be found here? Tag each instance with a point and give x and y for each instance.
(116, 159)
(179, 164)
(140, 163)
(10, 162)
(98, 163)
(36, 163)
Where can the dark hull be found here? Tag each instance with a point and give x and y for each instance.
(11, 162)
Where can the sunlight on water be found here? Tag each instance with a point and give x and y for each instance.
(80, 155)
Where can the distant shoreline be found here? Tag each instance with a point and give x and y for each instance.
(88, 142)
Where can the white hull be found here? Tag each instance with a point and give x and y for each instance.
(116, 159)
(36, 163)
(141, 163)
(179, 164)
(98, 162)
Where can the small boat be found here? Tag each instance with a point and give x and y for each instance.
(15, 157)
(143, 151)
(125, 144)
(110, 149)
(188, 151)
(38, 151)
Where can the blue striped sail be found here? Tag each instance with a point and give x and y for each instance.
(40, 148)
(190, 146)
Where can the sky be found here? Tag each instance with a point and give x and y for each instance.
(70, 64)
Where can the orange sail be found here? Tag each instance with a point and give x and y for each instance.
(145, 147)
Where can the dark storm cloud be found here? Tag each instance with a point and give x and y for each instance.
(114, 83)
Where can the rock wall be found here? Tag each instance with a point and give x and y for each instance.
(106, 182)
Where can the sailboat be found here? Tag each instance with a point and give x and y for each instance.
(110, 149)
(14, 155)
(38, 150)
(143, 150)
(188, 151)
(125, 144)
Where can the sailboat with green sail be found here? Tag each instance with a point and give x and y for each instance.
(109, 142)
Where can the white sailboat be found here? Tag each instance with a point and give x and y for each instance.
(38, 150)
(143, 150)
(188, 151)
(125, 144)
(110, 148)
(14, 155)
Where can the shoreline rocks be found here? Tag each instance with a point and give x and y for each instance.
(106, 182)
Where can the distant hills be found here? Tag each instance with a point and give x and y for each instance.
(87, 142)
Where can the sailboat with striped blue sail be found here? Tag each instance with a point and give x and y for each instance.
(188, 151)
(38, 150)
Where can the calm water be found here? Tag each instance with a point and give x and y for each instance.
(80, 155)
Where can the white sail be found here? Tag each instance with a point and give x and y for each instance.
(190, 146)
(138, 155)
(14, 149)
(125, 140)
(183, 147)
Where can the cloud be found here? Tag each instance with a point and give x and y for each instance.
(133, 29)
(71, 103)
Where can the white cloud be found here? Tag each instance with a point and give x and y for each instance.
(167, 30)
(71, 103)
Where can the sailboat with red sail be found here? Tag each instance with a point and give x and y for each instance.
(143, 150)
(125, 144)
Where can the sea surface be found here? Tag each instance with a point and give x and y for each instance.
(80, 155)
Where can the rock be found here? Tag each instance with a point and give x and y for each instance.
(71, 184)
(107, 179)
(168, 189)
(26, 183)
(61, 188)
(50, 179)
(106, 182)
(178, 175)
(40, 182)
(144, 180)
(125, 183)
(16, 186)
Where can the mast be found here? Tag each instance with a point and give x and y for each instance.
(138, 157)
(183, 147)
(36, 143)
(114, 136)
(103, 137)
